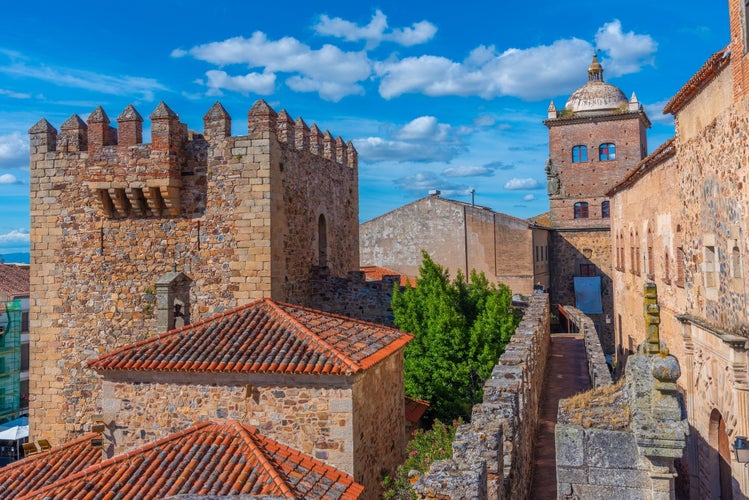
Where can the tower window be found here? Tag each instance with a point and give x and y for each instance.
(579, 154)
(607, 152)
(605, 211)
(581, 210)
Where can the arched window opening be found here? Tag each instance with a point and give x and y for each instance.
(605, 210)
(637, 253)
(666, 267)
(607, 151)
(322, 242)
(650, 256)
(581, 210)
(681, 258)
(579, 154)
(632, 261)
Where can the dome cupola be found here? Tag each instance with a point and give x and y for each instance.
(596, 96)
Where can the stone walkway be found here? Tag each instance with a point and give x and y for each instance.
(566, 375)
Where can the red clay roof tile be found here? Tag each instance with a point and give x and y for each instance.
(699, 80)
(36, 471)
(210, 458)
(14, 281)
(262, 336)
(376, 273)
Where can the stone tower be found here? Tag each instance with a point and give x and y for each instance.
(210, 221)
(594, 142)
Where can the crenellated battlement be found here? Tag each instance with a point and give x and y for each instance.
(128, 178)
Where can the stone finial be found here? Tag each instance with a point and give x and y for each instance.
(285, 128)
(73, 134)
(167, 134)
(99, 132)
(162, 112)
(43, 137)
(552, 111)
(652, 320)
(261, 120)
(315, 140)
(73, 123)
(98, 116)
(217, 122)
(301, 134)
(353, 156)
(634, 104)
(328, 145)
(341, 151)
(130, 127)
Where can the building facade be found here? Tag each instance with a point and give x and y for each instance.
(233, 218)
(594, 142)
(682, 223)
(460, 237)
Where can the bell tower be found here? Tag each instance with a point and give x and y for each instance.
(594, 143)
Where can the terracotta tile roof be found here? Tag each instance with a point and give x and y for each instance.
(543, 219)
(699, 80)
(211, 458)
(14, 281)
(415, 409)
(663, 153)
(261, 337)
(37, 471)
(375, 273)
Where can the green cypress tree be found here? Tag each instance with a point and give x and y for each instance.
(460, 328)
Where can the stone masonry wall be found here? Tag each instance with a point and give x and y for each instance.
(492, 456)
(237, 215)
(303, 414)
(379, 421)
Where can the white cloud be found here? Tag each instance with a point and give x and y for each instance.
(424, 127)
(627, 52)
(329, 71)
(8, 179)
(14, 95)
(376, 31)
(529, 197)
(258, 83)
(532, 73)
(468, 171)
(421, 139)
(14, 150)
(14, 237)
(87, 80)
(423, 182)
(518, 183)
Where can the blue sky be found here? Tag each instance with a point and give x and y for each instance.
(435, 95)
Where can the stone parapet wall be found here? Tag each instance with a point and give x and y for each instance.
(598, 369)
(354, 297)
(493, 455)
